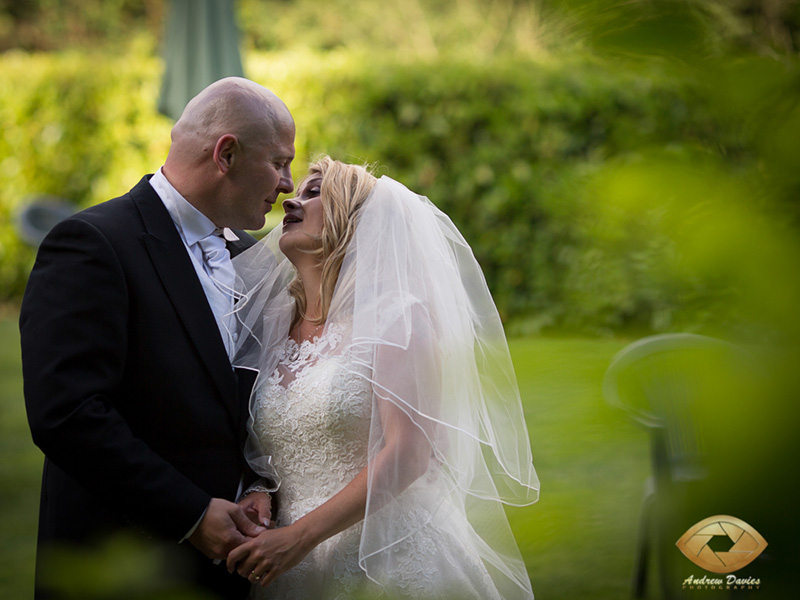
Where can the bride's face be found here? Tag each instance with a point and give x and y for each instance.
(302, 225)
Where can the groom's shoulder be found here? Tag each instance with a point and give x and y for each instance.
(121, 212)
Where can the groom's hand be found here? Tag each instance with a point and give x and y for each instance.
(223, 528)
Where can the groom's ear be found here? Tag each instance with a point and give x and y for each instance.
(225, 151)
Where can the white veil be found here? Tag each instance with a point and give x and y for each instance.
(419, 323)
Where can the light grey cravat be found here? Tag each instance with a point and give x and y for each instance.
(217, 261)
(218, 266)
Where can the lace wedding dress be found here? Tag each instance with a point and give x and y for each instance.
(313, 416)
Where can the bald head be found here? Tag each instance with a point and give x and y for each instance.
(233, 105)
(231, 153)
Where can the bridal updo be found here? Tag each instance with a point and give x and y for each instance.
(343, 190)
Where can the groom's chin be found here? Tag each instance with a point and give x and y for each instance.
(257, 223)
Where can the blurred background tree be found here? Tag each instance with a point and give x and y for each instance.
(420, 27)
(51, 25)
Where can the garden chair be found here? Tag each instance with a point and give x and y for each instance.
(39, 215)
(667, 384)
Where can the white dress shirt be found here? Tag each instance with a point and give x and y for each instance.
(193, 226)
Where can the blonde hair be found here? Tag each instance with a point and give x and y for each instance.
(343, 190)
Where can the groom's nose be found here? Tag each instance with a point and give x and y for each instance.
(286, 185)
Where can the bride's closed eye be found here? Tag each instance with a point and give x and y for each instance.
(312, 190)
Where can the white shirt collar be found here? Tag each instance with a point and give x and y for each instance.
(191, 223)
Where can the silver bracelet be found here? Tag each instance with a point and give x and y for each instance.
(253, 488)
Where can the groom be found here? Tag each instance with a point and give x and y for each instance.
(126, 348)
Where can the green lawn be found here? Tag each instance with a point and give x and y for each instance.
(20, 470)
(577, 540)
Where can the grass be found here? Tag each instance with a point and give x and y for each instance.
(20, 470)
(578, 539)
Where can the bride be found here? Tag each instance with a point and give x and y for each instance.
(386, 412)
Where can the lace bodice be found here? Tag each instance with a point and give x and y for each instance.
(313, 417)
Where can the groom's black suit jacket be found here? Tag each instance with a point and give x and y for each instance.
(129, 391)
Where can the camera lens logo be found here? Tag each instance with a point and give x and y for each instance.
(745, 544)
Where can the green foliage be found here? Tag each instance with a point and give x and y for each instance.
(516, 152)
(595, 197)
(420, 28)
(79, 127)
(38, 25)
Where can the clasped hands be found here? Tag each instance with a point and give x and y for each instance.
(243, 535)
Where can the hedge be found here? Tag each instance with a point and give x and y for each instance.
(513, 150)
(74, 126)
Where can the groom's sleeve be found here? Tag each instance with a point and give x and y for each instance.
(74, 333)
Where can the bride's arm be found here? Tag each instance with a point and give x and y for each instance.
(403, 459)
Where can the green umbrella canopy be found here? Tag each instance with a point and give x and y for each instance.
(201, 46)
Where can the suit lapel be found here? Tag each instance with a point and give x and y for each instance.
(177, 275)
